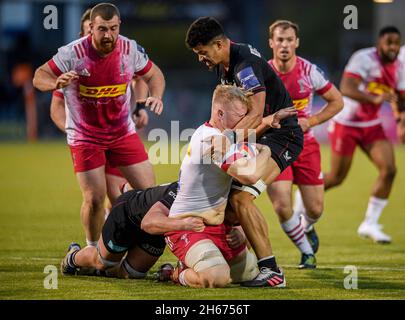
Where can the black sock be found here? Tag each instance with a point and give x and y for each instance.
(269, 262)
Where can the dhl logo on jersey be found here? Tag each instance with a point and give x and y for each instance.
(301, 103)
(104, 91)
(378, 88)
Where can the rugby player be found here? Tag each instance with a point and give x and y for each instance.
(302, 79)
(204, 186)
(122, 235)
(241, 64)
(114, 178)
(95, 73)
(371, 77)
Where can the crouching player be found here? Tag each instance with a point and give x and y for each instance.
(204, 189)
(122, 234)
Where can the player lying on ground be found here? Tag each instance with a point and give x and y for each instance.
(302, 79)
(122, 235)
(243, 65)
(205, 182)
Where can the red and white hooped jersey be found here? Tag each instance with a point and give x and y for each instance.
(98, 103)
(301, 83)
(376, 78)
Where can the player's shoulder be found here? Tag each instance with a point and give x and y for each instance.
(206, 130)
(245, 52)
(76, 49)
(129, 46)
(305, 65)
(365, 54)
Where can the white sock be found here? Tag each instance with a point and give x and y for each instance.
(91, 243)
(295, 232)
(374, 209)
(307, 222)
(298, 207)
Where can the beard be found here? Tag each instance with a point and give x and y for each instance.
(106, 46)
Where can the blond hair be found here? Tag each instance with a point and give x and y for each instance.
(283, 24)
(227, 93)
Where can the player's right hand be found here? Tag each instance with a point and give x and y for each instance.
(155, 104)
(65, 79)
(235, 238)
(194, 224)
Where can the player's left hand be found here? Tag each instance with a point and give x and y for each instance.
(141, 120)
(304, 124)
(273, 120)
(155, 104)
(235, 238)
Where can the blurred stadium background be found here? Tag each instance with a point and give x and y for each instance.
(160, 27)
(40, 199)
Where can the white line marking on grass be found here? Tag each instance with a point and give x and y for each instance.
(367, 268)
(30, 258)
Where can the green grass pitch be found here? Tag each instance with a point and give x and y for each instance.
(39, 217)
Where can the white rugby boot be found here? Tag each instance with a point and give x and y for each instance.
(374, 232)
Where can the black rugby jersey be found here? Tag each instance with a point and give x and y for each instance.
(250, 71)
(138, 202)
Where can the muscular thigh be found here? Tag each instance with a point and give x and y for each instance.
(140, 175)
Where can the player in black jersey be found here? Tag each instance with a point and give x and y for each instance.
(242, 65)
(122, 234)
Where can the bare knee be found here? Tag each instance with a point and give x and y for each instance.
(283, 210)
(315, 208)
(389, 172)
(94, 201)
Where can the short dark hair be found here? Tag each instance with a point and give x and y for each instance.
(283, 24)
(85, 17)
(388, 29)
(202, 31)
(105, 10)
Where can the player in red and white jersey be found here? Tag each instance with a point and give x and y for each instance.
(95, 73)
(302, 79)
(371, 77)
(114, 178)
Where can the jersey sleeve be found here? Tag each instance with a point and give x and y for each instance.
(319, 82)
(250, 77)
(141, 60)
(170, 195)
(58, 93)
(357, 67)
(62, 61)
